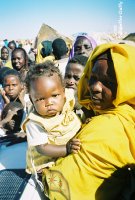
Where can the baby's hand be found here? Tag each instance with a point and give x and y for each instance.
(73, 146)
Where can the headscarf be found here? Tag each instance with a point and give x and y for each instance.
(85, 36)
(123, 57)
(47, 48)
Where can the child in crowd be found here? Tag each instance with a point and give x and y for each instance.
(52, 124)
(19, 61)
(12, 89)
(5, 57)
(74, 70)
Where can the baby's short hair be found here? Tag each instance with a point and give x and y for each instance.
(47, 68)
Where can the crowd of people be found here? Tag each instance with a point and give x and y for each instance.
(76, 110)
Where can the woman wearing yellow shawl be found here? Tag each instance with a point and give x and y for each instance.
(108, 140)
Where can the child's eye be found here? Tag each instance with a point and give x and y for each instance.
(76, 78)
(69, 76)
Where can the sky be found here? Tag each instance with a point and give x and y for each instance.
(22, 19)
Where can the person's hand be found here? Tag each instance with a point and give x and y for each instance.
(73, 146)
(3, 93)
(21, 96)
(13, 139)
(11, 124)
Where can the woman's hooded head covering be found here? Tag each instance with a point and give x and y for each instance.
(85, 36)
(123, 57)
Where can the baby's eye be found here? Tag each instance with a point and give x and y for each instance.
(55, 95)
(41, 99)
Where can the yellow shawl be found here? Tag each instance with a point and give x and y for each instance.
(108, 141)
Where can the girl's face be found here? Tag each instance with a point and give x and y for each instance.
(12, 86)
(4, 54)
(102, 85)
(82, 47)
(73, 74)
(47, 95)
(18, 60)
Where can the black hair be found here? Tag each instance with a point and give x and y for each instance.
(11, 72)
(47, 48)
(47, 68)
(59, 48)
(3, 71)
(12, 42)
(79, 59)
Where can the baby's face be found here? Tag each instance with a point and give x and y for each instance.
(47, 95)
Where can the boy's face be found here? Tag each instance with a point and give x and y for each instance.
(12, 86)
(82, 47)
(102, 85)
(72, 75)
(47, 95)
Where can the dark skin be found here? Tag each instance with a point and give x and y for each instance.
(4, 54)
(48, 102)
(13, 89)
(82, 47)
(12, 121)
(102, 84)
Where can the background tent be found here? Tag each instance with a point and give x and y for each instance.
(48, 33)
(130, 37)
